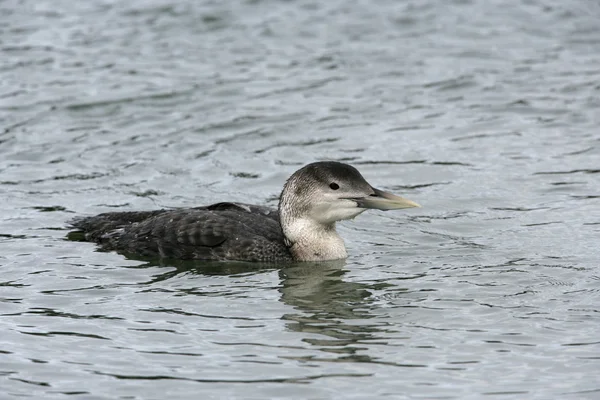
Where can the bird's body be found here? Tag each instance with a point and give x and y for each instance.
(222, 231)
(302, 229)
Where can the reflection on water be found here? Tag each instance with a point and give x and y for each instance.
(323, 302)
(327, 305)
(200, 267)
(332, 312)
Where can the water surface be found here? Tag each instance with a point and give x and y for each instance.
(484, 112)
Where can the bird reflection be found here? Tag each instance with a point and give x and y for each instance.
(330, 310)
(329, 306)
(208, 268)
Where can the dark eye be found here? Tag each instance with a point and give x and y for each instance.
(334, 186)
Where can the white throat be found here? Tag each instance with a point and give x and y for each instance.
(312, 241)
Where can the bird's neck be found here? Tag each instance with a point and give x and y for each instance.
(309, 240)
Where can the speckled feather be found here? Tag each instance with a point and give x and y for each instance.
(222, 231)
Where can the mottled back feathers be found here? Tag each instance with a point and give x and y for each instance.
(222, 231)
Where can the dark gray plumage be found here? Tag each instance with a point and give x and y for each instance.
(222, 231)
(313, 199)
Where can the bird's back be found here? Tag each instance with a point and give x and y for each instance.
(222, 231)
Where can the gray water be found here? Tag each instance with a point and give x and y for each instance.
(485, 112)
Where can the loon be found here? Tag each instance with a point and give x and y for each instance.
(313, 199)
